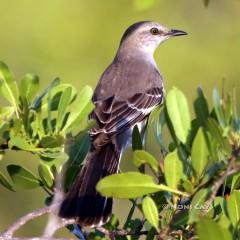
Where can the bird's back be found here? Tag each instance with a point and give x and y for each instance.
(123, 79)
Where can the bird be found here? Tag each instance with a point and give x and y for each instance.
(128, 90)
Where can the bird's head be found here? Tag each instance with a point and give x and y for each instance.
(147, 36)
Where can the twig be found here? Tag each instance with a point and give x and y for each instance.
(231, 169)
(8, 233)
(23, 220)
(41, 238)
(120, 233)
(130, 214)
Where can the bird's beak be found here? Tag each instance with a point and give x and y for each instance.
(175, 32)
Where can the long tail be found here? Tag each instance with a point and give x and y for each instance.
(83, 202)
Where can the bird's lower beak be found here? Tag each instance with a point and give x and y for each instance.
(175, 32)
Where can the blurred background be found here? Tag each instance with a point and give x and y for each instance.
(77, 39)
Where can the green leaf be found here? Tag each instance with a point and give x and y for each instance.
(150, 211)
(38, 102)
(235, 181)
(197, 205)
(29, 86)
(70, 175)
(156, 123)
(63, 104)
(218, 108)
(46, 175)
(201, 108)
(216, 131)
(77, 148)
(188, 186)
(208, 229)
(130, 185)
(80, 108)
(8, 86)
(178, 111)
(136, 139)
(217, 134)
(52, 141)
(22, 177)
(199, 153)
(173, 169)
(21, 143)
(233, 208)
(224, 222)
(141, 157)
(5, 183)
(5, 114)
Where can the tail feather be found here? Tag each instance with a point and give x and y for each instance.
(83, 202)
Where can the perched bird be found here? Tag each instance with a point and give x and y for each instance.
(127, 92)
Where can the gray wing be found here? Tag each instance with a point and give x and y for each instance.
(125, 95)
(114, 117)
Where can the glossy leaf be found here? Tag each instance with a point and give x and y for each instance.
(62, 106)
(70, 175)
(150, 211)
(4, 182)
(130, 185)
(81, 107)
(38, 102)
(46, 175)
(8, 86)
(197, 205)
(51, 141)
(29, 86)
(156, 123)
(199, 153)
(218, 108)
(136, 139)
(178, 111)
(22, 177)
(233, 207)
(201, 108)
(5, 114)
(77, 148)
(217, 133)
(173, 169)
(21, 143)
(208, 229)
(141, 157)
(235, 181)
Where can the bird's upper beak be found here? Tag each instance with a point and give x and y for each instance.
(175, 32)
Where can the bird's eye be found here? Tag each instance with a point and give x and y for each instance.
(154, 31)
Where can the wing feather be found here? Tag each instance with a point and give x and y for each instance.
(113, 116)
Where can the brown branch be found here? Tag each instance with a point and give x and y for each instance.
(41, 238)
(231, 169)
(8, 233)
(120, 233)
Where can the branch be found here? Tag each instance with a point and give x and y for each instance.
(231, 169)
(120, 233)
(8, 233)
(39, 238)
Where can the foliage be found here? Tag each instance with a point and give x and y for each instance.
(39, 124)
(190, 189)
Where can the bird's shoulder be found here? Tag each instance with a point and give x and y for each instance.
(124, 79)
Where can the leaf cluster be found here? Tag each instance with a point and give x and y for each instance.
(189, 190)
(42, 123)
(194, 183)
